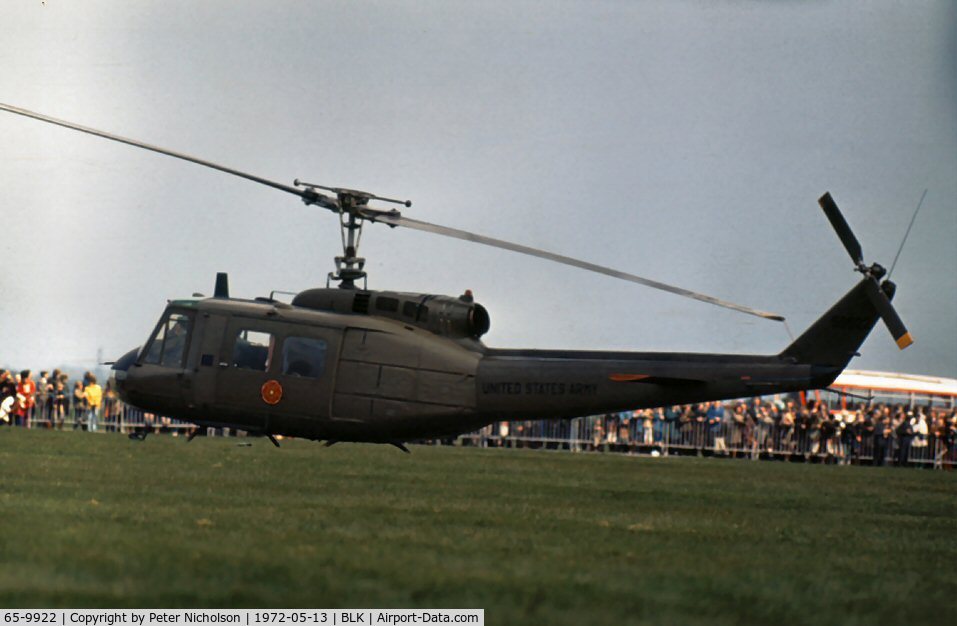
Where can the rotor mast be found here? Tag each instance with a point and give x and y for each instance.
(349, 267)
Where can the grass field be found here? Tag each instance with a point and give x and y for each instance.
(532, 537)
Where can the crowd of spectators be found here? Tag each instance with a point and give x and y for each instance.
(778, 427)
(50, 401)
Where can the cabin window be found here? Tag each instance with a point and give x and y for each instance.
(303, 356)
(253, 350)
(168, 346)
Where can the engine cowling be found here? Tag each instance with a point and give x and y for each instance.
(448, 316)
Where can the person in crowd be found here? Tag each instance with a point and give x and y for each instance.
(111, 408)
(921, 432)
(518, 433)
(817, 436)
(763, 429)
(659, 426)
(686, 425)
(26, 398)
(149, 423)
(47, 387)
(883, 433)
(648, 427)
(716, 427)
(8, 397)
(741, 428)
(79, 406)
(60, 403)
(94, 398)
(952, 429)
(827, 434)
(672, 422)
(802, 426)
(786, 428)
(166, 425)
(611, 428)
(865, 432)
(904, 429)
(944, 433)
(847, 435)
(41, 413)
(624, 430)
(702, 432)
(598, 433)
(504, 430)
(839, 418)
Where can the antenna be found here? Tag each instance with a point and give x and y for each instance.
(913, 217)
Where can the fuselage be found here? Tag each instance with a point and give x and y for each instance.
(269, 367)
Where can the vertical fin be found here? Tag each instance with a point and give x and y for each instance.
(835, 337)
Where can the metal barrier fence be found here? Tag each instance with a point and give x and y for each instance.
(605, 433)
(111, 416)
(597, 433)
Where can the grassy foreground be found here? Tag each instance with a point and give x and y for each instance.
(532, 537)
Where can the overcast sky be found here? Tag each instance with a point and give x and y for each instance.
(686, 141)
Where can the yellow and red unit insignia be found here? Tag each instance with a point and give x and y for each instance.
(271, 392)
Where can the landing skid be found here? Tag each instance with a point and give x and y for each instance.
(397, 444)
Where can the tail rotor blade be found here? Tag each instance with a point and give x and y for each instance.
(844, 231)
(886, 310)
(395, 219)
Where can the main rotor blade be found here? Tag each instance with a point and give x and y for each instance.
(393, 219)
(844, 231)
(309, 196)
(893, 321)
(139, 144)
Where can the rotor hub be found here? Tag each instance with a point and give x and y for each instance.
(352, 207)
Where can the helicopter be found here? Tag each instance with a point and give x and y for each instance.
(347, 363)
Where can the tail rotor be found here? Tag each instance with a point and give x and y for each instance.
(878, 292)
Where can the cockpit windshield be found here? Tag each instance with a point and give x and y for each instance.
(168, 345)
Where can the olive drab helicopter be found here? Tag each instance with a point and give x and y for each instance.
(347, 363)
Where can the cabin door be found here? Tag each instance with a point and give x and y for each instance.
(244, 366)
(276, 376)
(304, 370)
(209, 341)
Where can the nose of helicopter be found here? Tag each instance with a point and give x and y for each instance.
(119, 369)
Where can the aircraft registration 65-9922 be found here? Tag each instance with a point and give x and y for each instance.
(347, 363)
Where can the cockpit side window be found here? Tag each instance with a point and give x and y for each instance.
(253, 350)
(168, 346)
